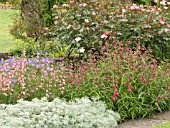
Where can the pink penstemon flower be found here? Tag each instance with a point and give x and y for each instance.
(115, 98)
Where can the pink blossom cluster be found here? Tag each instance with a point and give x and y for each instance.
(22, 78)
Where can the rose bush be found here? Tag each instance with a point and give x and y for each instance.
(94, 22)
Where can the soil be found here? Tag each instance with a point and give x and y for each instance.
(147, 122)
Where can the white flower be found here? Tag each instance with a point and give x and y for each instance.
(103, 36)
(78, 39)
(82, 50)
(166, 30)
(123, 10)
(159, 9)
(69, 26)
(84, 4)
(65, 5)
(56, 17)
(163, 2)
(165, 7)
(86, 20)
(162, 22)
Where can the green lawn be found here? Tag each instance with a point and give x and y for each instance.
(163, 125)
(6, 40)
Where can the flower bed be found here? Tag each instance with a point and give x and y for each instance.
(129, 82)
(121, 71)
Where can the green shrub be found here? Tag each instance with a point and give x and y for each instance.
(58, 114)
(95, 22)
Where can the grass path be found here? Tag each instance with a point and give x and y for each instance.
(6, 40)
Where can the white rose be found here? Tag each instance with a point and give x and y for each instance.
(78, 39)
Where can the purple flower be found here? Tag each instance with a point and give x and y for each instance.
(46, 53)
(48, 68)
(48, 60)
(43, 60)
(14, 80)
(61, 58)
(2, 60)
(36, 60)
(38, 54)
(67, 53)
(30, 62)
(39, 65)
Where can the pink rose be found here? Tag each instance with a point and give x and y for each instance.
(55, 6)
(71, 1)
(168, 25)
(93, 13)
(156, 1)
(46, 29)
(163, 19)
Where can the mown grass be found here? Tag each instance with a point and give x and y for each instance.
(6, 40)
(163, 125)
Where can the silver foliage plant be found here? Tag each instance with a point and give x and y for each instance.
(80, 113)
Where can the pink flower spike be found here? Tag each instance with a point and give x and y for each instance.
(114, 98)
(129, 90)
(72, 82)
(116, 93)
